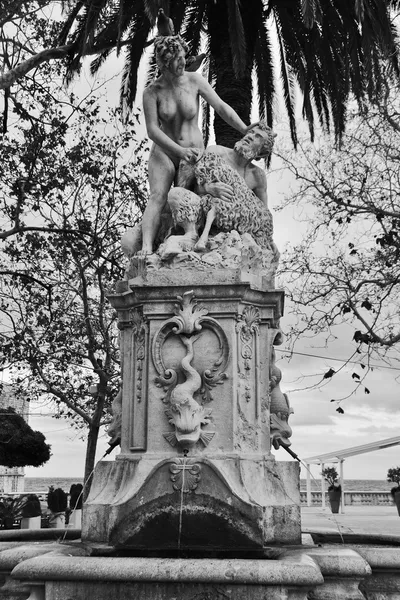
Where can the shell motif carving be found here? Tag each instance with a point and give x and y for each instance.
(185, 474)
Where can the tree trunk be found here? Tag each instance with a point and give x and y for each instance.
(235, 91)
(90, 458)
(93, 436)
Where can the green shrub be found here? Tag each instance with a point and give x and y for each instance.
(75, 496)
(31, 507)
(57, 500)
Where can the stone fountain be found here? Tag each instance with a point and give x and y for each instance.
(196, 506)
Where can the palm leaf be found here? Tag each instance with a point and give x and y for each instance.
(287, 84)
(140, 28)
(152, 69)
(237, 37)
(264, 69)
(177, 12)
(308, 8)
(209, 70)
(68, 23)
(192, 28)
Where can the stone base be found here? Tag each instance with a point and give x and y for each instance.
(228, 505)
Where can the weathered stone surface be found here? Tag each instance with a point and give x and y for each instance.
(195, 504)
(27, 535)
(343, 570)
(231, 258)
(385, 581)
(319, 573)
(195, 469)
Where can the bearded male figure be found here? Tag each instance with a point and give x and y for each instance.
(233, 189)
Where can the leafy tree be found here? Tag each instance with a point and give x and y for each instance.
(328, 49)
(346, 268)
(68, 178)
(20, 446)
(393, 475)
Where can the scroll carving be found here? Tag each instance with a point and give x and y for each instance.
(247, 327)
(139, 328)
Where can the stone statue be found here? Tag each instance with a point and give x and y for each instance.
(171, 108)
(186, 212)
(234, 190)
(280, 410)
(185, 414)
(114, 429)
(232, 195)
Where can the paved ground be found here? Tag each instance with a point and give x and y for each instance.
(372, 520)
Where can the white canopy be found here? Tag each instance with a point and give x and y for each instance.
(339, 456)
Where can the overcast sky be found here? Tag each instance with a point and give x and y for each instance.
(317, 427)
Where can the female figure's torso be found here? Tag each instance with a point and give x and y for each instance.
(178, 110)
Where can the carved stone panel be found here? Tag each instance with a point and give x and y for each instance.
(138, 412)
(190, 352)
(247, 328)
(185, 474)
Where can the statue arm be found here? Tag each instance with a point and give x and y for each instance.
(221, 108)
(260, 188)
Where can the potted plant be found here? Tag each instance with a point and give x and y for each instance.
(57, 503)
(10, 511)
(393, 476)
(31, 512)
(75, 505)
(331, 476)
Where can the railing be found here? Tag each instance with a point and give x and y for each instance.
(356, 498)
(41, 495)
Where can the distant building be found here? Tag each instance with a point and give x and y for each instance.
(12, 479)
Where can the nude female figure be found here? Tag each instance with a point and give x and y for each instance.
(171, 108)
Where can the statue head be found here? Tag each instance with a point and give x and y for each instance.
(257, 142)
(167, 48)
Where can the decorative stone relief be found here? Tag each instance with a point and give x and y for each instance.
(140, 328)
(185, 474)
(184, 412)
(280, 409)
(114, 429)
(247, 328)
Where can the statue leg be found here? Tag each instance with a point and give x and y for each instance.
(201, 244)
(161, 175)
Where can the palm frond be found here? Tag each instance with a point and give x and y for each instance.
(209, 72)
(68, 23)
(151, 8)
(99, 61)
(237, 37)
(140, 28)
(195, 19)
(264, 69)
(309, 10)
(359, 9)
(152, 69)
(177, 12)
(287, 84)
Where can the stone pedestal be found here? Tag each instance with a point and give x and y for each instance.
(195, 470)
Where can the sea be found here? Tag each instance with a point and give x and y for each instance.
(42, 484)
